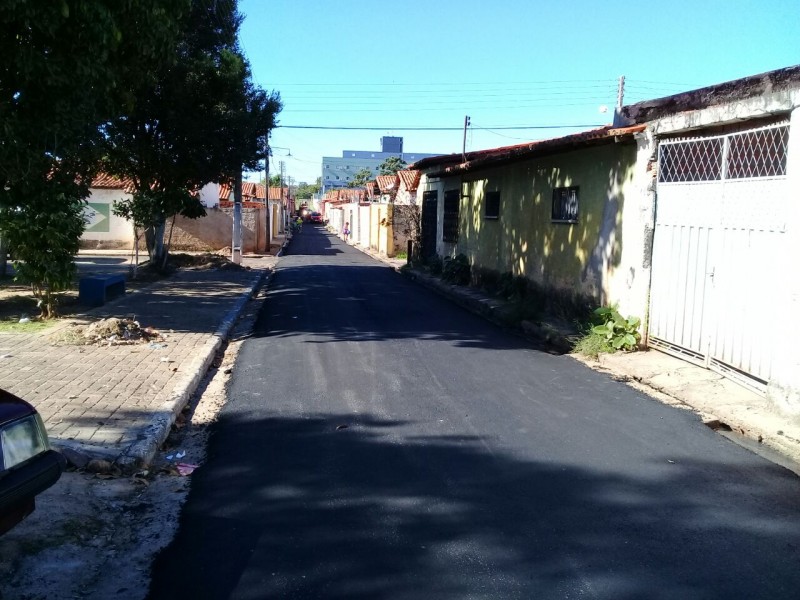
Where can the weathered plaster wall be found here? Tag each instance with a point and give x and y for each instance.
(588, 257)
(213, 232)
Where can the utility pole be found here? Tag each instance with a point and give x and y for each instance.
(268, 212)
(284, 201)
(464, 143)
(236, 243)
(620, 99)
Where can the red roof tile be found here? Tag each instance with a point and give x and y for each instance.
(409, 178)
(387, 183)
(111, 182)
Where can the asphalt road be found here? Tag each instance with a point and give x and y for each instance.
(380, 442)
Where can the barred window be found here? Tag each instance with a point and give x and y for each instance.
(749, 154)
(696, 160)
(492, 208)
(452, 198)
(565, 205)
(758, 153)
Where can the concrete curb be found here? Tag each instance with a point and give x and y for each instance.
(497, 312)
(141, 452)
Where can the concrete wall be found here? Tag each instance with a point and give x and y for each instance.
(214, 231)
(784, 389)
(364, 228)
(370, 226)
(103, 228)
(405, 221)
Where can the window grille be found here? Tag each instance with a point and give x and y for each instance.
(452, 198)
(745, 155)
(492, 209)
(565, 205)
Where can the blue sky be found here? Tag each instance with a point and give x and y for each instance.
(394, 65)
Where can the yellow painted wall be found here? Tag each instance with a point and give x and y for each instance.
(525, 241)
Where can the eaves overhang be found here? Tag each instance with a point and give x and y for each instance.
(509, 154)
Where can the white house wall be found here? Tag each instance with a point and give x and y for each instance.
(104, 228)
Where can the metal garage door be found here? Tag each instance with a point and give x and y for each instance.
(719, 250)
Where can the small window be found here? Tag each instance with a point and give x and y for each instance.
(492, 209)
(565, 205)
(450, 222)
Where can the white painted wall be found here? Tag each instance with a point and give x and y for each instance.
(209, 195)
(784, 388)
(103, 226)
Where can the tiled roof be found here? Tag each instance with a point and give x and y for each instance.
(387, 183)
(252, 191)
(409, 178)
(275, 193)
(111, 182)
(344, 195)
(454, 163)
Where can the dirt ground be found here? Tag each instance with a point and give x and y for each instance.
(95, 536)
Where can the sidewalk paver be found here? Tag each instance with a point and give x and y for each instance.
(118, 402)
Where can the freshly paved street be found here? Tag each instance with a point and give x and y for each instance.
(380, 442)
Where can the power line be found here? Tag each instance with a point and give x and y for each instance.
(504, 127)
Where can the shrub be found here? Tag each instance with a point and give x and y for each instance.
(609, 333)
(434, 264)
(457, 270)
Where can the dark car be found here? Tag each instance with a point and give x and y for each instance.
(315, 217)
(28, 465)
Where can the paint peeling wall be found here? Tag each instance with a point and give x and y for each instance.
(600, 255)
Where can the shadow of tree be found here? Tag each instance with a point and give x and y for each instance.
(293, 507)
(358, 301)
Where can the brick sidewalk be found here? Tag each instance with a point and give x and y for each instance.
(118, 402)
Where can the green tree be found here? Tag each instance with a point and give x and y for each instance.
(307, 190)
(391, 165)
(361, 177)
(203, 121)
(67, 69)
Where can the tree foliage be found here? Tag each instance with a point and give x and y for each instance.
(308, 190)
(67, 70)
(361, 177)
(392, 165)
(203, 121)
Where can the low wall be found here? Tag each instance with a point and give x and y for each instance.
(214, 231)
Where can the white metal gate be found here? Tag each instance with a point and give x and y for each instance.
(719, 250)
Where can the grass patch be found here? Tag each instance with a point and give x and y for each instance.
(592, 345)
(401, 255)
(14, 326)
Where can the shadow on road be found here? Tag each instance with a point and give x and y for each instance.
(328, 515)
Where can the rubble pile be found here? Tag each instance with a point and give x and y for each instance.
(117, 332)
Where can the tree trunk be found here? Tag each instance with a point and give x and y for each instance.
(3, 263)
(154, 237)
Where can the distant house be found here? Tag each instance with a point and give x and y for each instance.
(387, 186)
(407, 188)
(103, 228)
(685, 213)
